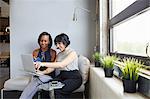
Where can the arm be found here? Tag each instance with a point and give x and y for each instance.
(61, 64)
(47, 71)
(35, 53)
(53, 55)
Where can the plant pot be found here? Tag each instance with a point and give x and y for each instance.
(117, 72)
(129, 86)
(97, 64)
(108, 72)
(144, 85)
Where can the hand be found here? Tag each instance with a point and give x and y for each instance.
(37, 65)
(39, 72)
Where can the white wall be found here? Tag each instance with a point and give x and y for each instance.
(28, 18)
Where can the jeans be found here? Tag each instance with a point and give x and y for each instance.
(32, 87)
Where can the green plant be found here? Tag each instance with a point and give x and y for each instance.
(131, 68)
(108, 61)
(96, 56)
(146, 67)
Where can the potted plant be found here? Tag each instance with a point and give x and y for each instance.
(144, 80)
(130, 72)
(96, 57)
(108, 64)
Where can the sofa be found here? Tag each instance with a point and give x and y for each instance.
(18, 84)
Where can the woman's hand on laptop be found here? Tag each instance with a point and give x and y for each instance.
(39, 72)
(37, 65)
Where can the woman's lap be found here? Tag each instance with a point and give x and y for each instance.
(72, 82)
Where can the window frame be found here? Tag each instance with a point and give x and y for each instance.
(136, 8)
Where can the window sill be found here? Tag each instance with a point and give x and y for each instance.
(108, 88)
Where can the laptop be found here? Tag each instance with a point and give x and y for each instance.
(28, 64)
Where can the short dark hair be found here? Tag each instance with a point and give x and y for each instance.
(62, 38)
(50, 38)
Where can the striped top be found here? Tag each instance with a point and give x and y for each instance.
(71, 66)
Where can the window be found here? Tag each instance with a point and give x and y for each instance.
(130, 32)
(119, 5)
(132, 36)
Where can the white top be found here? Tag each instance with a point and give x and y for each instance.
(62, 55)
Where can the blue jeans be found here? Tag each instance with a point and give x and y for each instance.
(32, 87)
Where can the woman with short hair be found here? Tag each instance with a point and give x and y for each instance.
(67, 63)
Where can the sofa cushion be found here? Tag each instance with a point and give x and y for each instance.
(84, 65)
(17, 83)
(80, 89)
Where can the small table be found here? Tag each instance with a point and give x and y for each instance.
(51, 86)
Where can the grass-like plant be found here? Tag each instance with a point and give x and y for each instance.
(96, 56)
(108, 61)
(131, 68)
